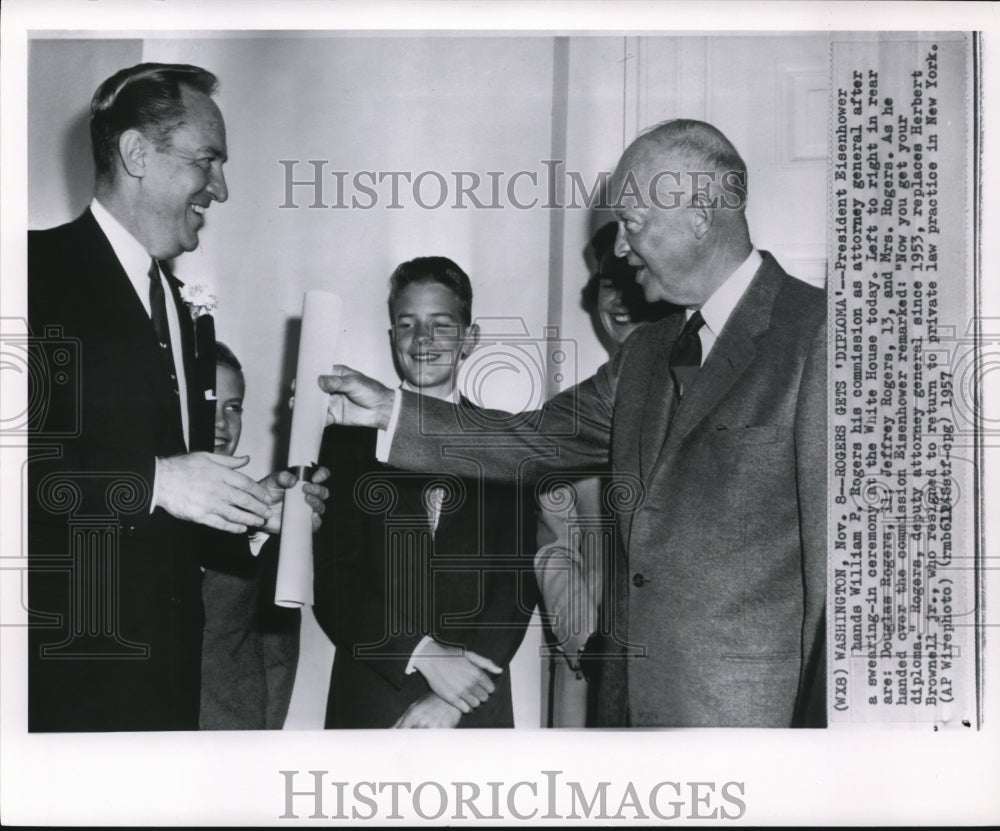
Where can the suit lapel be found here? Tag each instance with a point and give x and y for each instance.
(198, 354)
(659, 401)
(732, 353)
(110, 287)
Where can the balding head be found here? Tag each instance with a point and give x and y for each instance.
(679, 192)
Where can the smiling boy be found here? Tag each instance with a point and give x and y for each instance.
(417, 577)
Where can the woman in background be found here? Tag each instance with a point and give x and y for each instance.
(575, 525)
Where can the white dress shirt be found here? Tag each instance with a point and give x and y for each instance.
(718, 308)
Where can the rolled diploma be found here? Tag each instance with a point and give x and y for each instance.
(317, 348)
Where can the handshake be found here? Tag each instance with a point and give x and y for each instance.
(209, 489)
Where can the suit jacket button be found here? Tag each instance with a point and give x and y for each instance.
(638, 581)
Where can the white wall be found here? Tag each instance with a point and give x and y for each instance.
(62, 77)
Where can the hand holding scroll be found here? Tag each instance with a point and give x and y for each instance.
(356, 399)
(315, 494)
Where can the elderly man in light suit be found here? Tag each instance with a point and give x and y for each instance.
(719, 411)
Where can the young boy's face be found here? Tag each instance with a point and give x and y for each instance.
(429, 338)
(229, 388)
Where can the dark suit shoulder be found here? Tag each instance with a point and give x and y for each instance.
(795, 292)
(67, 229)
(64, 261)
(79, 233)
(800, 305)
(48, 246)
(804, 295)
(798, 314)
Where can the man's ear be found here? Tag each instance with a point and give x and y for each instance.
(132, 149)
(470, 340)
(701, 218)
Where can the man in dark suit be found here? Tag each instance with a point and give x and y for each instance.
(719, 582)
(423, 583)
(124, 491)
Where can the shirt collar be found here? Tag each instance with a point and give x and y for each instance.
(129, 251)
(717, 309)
(454, 398)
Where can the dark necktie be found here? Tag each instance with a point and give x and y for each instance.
(685, 356)
(158, 312)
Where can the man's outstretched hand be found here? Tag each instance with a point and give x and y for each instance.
(316, 495)
(207, 488)
(355, 399)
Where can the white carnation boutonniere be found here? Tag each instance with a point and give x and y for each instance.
(200, 299)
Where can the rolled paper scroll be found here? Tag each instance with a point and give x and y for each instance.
(317, 348)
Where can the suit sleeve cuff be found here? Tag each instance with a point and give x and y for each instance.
(420, 647)
(383, 443)
(257, 540)
(156, 482)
